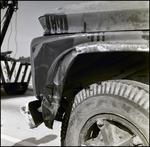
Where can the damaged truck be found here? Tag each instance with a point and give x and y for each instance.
(90, 70)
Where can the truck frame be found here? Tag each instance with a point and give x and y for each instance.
(90, 70)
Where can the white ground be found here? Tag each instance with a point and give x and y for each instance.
(14, 129)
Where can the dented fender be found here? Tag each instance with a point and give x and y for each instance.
(57, 73)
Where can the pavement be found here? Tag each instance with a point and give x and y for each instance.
(14, 129)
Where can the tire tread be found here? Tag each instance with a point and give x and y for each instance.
(120, 87)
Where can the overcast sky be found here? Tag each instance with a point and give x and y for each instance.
(27, 26)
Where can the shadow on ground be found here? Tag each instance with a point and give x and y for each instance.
(4, 95)
(34, 141)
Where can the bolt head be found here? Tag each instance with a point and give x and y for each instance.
(100, 122)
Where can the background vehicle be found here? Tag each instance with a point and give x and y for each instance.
(15, 74)
(90, 69)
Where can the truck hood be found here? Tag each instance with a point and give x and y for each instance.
(97, 16)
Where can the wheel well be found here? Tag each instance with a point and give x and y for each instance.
(91, 68)
(94, 67)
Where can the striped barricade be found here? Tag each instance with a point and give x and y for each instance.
(15, 73)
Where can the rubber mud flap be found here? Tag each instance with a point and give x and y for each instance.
(47, 113)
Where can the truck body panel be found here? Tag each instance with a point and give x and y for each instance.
(55, 45)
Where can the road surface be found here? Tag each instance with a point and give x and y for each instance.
(14, 129)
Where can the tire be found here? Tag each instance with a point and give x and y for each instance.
(15, 88)
(110, 113)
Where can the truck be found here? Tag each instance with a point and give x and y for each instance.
(90, 70)
(15, 74)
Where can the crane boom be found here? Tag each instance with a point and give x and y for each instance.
(11, 7)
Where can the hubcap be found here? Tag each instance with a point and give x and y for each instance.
(110, 130)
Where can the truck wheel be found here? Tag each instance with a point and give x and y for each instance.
(15, 88)
(110, 113)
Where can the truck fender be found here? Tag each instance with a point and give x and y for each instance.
(57, 73)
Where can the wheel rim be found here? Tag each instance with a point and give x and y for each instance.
(110, 130)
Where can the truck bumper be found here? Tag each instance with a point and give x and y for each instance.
(32, 113)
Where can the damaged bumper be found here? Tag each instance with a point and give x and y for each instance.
(37, 112)
(32, 113)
